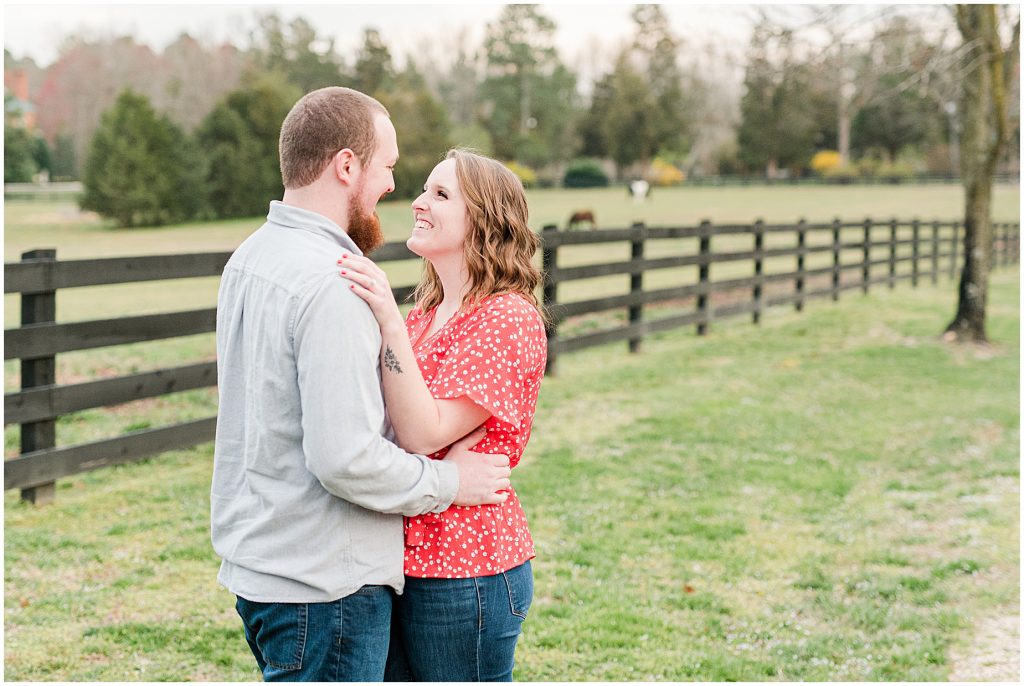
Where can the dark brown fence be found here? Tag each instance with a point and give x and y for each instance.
(39, 277)
(887, 252)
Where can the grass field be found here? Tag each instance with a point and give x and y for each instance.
(833, 495)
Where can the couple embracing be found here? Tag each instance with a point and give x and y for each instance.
(361, 500)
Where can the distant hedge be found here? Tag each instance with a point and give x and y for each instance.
(584, 173)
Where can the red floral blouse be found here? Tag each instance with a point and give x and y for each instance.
(494, 354)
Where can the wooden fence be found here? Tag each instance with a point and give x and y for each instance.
(39, 339)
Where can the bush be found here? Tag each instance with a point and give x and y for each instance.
(825, 161)
(665, 173)
(584, 173)
(526, 175)
(141, 169)
(897, 171)
(842, 173)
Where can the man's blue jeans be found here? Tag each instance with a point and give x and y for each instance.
(345, 640)
(459, 629)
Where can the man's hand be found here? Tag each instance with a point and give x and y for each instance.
(481, 475)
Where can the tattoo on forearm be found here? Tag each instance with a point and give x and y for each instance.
(390, 361)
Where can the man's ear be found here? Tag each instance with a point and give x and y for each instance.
(346, 166)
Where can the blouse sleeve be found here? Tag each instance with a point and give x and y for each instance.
(491, 357)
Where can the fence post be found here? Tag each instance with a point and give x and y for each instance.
(836, 266)
(893, 229)
(801, 242)
(956, 245)
(636, 282)
(866, 266)
(916, 252)
(39, 308)
(758, 268)
(935, 252)
(704, 296)
(549, 257)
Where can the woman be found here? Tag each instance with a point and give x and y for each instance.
(472, 351)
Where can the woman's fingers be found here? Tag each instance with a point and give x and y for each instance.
(365, 274)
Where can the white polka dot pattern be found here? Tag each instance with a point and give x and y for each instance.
(494, 354)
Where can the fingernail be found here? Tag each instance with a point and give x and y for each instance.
(344, 255)
(343, 271)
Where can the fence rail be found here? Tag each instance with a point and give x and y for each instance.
(40, 276)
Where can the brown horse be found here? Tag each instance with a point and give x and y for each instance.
(581, 216)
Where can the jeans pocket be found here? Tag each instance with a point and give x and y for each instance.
(519, 582)
(278, 630)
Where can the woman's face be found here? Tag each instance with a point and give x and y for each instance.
(439, 214)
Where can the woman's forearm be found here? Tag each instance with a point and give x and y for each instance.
(422, 423)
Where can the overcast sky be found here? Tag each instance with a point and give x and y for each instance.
(37, 29)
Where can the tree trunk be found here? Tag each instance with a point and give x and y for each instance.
(844, 130)
(982, 138)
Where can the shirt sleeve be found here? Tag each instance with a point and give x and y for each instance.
(337, 352)
(491, 356)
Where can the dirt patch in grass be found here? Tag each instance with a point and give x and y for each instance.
(993, 654)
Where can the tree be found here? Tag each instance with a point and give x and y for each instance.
(85, 82)
(899, 113)
(986, 66)
(528, 93)
(63, 159)
(185, 98)
(657, 49)
(894, 123)
(373, 71)
(423, 131)
(241, 137)
(141, 168)
(457, 90)
(19, 162)
(306, 60)
(630, 118)
(785, 114)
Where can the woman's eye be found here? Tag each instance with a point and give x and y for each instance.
(442, 194)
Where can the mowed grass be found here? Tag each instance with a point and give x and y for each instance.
(832, 495)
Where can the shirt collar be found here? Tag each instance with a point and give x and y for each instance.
(297, 218)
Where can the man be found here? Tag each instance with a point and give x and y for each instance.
(307, 493)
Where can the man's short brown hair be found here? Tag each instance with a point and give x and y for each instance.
(320, 124)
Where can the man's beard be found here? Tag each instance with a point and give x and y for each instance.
(364, 229)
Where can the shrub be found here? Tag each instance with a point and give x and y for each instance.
(842, 173)
(665, 173)
(897, 171)
(584, 173)
(525, 174)
(825, 161)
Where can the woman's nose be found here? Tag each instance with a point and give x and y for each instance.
(418, 203)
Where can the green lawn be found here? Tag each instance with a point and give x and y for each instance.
(832, 495)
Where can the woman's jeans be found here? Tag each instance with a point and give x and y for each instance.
(459, 629)
(345, 640)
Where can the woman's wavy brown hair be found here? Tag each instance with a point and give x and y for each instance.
(499, 245)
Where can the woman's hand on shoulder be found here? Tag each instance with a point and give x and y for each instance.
(370, 283)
